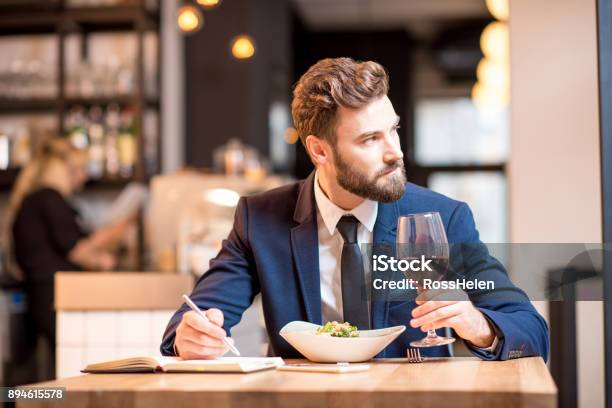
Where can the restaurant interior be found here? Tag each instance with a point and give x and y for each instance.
(184, 106)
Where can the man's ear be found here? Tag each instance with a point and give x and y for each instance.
(318, 149)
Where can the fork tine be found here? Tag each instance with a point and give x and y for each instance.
(414, 355)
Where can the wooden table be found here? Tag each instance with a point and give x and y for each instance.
(456, 382)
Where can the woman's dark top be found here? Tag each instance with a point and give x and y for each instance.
(45, 230)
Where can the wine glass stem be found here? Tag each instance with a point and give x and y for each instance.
(431, 334)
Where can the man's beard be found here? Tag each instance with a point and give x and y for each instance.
(355, 181)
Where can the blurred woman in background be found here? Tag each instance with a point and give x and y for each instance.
(44, 234)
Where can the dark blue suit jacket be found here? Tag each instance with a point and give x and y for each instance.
(273, 250)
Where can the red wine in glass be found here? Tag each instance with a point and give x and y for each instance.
(437, 270)
(421, 236)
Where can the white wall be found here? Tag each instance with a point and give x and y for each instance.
(554, 170)
(93, 336)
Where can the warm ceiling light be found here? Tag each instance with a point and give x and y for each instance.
(291, 135)
(494, 74)
(498, 8)
(190, 19)
(243, 47)
(209, 3)
(487, 98)
(495, 41)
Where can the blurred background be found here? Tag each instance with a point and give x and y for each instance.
(183, 106)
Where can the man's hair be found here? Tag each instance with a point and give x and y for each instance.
(330, 83)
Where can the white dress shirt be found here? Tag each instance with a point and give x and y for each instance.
(330, 247)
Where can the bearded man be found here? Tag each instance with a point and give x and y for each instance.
(287, 244)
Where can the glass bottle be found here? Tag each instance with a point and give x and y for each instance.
(113, 113)
(127, 143)
(96, 147)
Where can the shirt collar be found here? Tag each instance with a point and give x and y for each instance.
(365, 212)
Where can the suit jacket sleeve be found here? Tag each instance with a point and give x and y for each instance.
(521, 330)
(230, 284)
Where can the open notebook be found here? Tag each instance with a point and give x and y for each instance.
(176, 365)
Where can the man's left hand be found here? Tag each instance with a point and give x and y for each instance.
(444, 308)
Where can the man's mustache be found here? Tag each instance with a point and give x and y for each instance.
(397, 165)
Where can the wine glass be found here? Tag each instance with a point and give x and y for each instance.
(422, 237)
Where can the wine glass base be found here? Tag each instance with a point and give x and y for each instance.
(432, 341)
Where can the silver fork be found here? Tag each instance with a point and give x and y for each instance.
(414, 355)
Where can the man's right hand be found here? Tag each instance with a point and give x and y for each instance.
(197, 338)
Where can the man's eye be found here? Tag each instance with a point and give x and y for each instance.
(370, 140)
(396, 127)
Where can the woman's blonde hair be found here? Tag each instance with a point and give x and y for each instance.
(27, 181)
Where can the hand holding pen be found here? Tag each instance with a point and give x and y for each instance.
(200, 334)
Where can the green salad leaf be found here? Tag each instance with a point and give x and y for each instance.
(336, 329)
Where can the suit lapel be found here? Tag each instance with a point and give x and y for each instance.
(305, 247)
(385, 231)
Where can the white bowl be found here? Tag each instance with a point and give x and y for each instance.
(326, 349)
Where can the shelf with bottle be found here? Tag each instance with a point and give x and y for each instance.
(112, 71)
(90, 60)
(29, 80)
(110, 136)
(107, 134)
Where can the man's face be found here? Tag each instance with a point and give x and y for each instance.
(367, 155)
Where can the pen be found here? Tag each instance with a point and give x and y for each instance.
(198, 311)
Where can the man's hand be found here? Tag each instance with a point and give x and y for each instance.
(200, 339)
(438, 309)
(105, 261)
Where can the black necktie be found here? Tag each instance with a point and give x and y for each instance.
(354, 300)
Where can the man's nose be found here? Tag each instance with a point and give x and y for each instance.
(393, 150)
